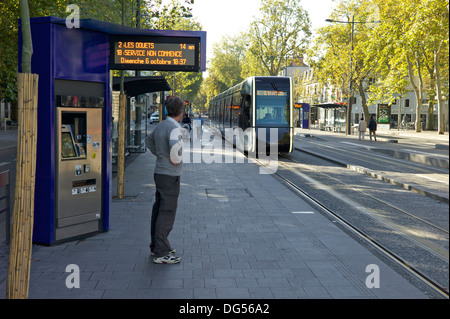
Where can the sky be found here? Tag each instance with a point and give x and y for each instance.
(230, 17)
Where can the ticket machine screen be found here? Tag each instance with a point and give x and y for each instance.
(67, 145)
(73, 135)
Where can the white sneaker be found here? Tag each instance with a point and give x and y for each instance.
(169, 259)
(172, 252)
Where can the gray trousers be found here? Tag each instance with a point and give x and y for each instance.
(163, 213)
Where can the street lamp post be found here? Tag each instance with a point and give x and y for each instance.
(348, 130)
(350, 93)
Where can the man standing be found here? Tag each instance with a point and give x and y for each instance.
(166, 144)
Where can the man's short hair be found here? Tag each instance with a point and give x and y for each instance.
(175, 106)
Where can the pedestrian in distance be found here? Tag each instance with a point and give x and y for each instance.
(165, 142)
(186, 121)
(372, 128)
(404, 121)
(198, 125)
(186, 127)
(362, 128)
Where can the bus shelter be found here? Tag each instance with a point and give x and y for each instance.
(331, 116)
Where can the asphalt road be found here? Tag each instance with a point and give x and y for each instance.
(7, 163)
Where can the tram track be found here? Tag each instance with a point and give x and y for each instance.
(367, 195)
(413, 239)
(423, 179)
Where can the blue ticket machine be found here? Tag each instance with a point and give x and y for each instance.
(73, 164)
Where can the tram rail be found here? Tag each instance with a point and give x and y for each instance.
(370, 240)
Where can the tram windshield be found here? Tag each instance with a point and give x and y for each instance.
(272, 108)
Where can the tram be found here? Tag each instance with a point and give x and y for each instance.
(259, 106)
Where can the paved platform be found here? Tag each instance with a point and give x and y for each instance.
(389, 136)
(241, 234)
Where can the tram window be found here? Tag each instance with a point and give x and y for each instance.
(272, 107)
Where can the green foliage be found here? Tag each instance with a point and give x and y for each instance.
(414, 41)
(280, 35)
(408, 47)
(340, 59)
(8, 49)
(226, 64)
(175, 16)
(168, 17)
(283, 31)
(152, 15)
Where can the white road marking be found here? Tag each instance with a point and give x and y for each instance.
(302, 212)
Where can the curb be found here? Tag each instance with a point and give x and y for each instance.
(375, 174)
(417, 158)
(441, 147)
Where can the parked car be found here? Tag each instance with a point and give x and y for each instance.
(154, 118)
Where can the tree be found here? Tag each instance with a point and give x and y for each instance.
(389, 67)
(9, 29)
(226, 63)
(433, 20)
(175, 16)
(39, 8)
(172, 16)
(200, 100)
(210, 87)
(414, 37)
(8, 49)
(343, 62)
(282, 32)
(251, 64)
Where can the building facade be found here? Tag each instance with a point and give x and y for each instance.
(329, 106)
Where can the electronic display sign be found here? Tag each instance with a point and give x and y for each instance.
(155, 53)
(271, 93)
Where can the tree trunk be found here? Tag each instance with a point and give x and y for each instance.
(430, 116)
(364, 106)
(417, 91)
(437, 74)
